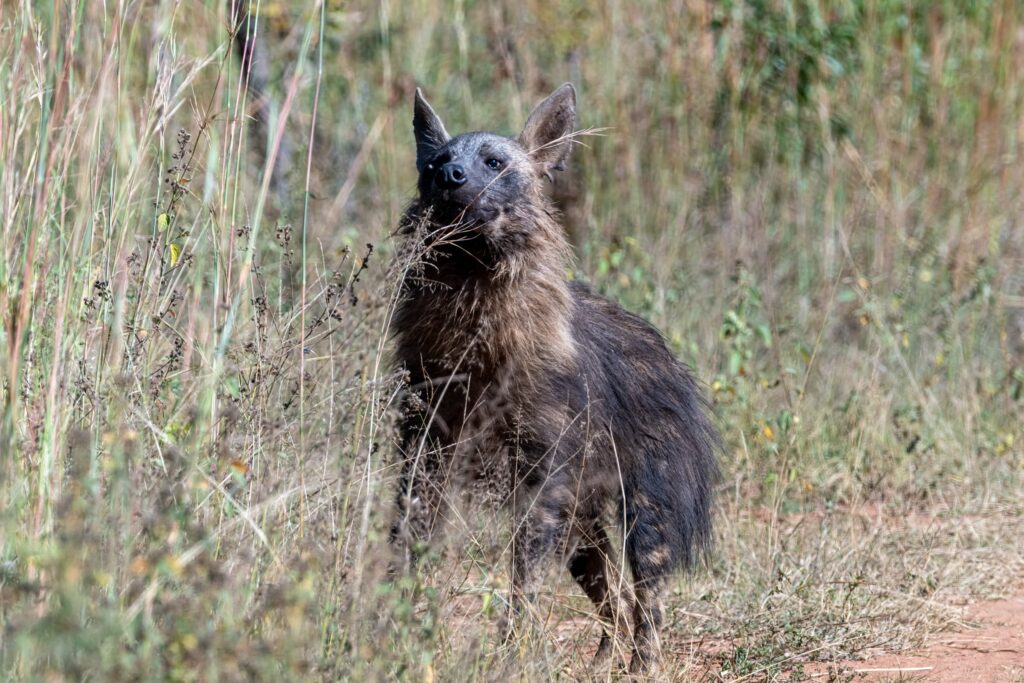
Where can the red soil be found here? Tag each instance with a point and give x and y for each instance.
(990, 650)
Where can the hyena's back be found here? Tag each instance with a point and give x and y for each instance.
(660, 460)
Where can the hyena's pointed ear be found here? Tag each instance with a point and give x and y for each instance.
(547, 135)
(428, 129)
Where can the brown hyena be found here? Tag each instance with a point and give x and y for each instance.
(522, 376)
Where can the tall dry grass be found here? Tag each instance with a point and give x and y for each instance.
(818, 202)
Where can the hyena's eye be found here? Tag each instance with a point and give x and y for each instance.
(494, 164)
(437, 162)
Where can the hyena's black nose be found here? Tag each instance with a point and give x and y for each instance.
(451, 176)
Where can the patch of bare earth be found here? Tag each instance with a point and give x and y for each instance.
(989, 649)
(927, 600)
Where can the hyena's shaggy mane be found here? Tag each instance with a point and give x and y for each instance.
(507, 305)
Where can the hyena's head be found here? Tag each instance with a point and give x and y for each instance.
(477, 179)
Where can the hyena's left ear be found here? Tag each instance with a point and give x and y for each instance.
(428, 129)
(547, 135)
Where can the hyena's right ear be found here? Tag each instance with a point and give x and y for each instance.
(428, 129)
(547, 135)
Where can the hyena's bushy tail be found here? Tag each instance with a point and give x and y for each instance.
(669, 486)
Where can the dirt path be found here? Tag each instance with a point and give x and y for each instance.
(989, 650)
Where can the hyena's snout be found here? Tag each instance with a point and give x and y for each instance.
(460, 186)
(453, 184)
(451, 176)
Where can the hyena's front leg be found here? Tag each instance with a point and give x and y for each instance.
(421, 496)
(541, 523)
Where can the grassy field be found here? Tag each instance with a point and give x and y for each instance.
(819, 202)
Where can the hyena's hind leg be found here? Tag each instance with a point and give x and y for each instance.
(592, 566)
(651, 561)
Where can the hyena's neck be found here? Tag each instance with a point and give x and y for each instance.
(511, 318)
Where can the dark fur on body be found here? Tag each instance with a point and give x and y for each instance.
(572, 409)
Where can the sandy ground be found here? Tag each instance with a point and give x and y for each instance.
(989, 650)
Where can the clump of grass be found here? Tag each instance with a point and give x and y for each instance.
(818, 204)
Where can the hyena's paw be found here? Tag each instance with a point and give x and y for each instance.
(604, 649)
(516, 623)
(643, 664)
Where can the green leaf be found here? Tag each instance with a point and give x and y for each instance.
(735, 363)
(231, 384)
(485, 608)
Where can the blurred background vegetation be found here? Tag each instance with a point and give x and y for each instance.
(819, 202)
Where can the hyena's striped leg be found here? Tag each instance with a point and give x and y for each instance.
(541, 521)
(647, 622)
(591, 565)
(420, 500)
(649, 554)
